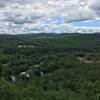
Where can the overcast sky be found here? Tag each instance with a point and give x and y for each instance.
(57, 16)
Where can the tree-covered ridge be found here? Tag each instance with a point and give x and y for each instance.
(50, 67)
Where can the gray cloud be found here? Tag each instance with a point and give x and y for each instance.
(21, 1)
(96, 6)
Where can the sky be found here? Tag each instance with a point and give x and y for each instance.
(49, 16)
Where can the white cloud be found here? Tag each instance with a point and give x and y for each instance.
(18, 16)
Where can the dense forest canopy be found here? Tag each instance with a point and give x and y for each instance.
(50, 67)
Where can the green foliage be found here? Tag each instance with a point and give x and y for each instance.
(8, 91)
(50, 67)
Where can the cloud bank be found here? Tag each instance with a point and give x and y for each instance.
(57, 16)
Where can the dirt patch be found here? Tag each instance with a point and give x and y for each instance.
(84, 60)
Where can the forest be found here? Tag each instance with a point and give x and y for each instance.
(50, 67)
